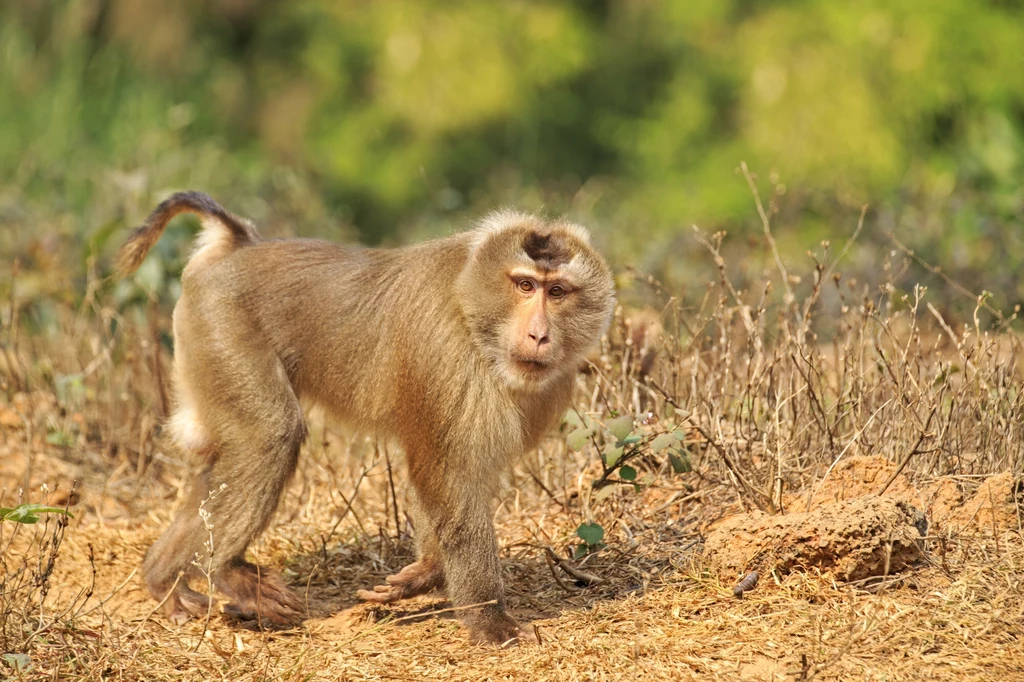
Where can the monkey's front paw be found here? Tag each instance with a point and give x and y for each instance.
(497, 627)
(381, 594)
(415, 579)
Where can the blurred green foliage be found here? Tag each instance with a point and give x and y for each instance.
(390, 120)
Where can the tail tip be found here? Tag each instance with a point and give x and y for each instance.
(131, 254)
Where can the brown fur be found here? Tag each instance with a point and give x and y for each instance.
(440, 346)
(145, 236)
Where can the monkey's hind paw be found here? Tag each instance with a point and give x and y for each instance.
(259, 597)
(275, 611)
(268, 614)
(185, 604)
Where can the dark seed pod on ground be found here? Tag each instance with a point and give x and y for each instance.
(745, 585)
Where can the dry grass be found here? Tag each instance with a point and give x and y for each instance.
(765, 409)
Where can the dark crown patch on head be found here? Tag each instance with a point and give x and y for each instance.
(545, 249)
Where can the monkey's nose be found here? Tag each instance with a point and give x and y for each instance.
(540, 338)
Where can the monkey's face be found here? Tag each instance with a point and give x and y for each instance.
(537, 296)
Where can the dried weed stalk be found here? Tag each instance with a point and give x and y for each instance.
(774, 391)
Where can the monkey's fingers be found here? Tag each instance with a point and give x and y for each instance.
(413, 580)
(382, 594)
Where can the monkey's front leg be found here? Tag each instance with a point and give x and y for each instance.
(420, 577)
(457, 508)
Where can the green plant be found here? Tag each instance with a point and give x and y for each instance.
(591, 534)
(620, 440)
(29, 513)
(28, 555)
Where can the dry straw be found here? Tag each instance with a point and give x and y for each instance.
(770, 393)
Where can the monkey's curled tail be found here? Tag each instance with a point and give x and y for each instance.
(219, 228)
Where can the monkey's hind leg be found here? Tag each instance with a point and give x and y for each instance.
(261, 429)
(168, 563)
(239, 494)
(258, 456)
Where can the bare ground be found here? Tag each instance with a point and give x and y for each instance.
(663, 610)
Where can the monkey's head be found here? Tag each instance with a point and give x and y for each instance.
(536, 296)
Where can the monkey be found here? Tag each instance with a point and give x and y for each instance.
(463, 350)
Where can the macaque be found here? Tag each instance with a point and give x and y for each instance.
(463, 350)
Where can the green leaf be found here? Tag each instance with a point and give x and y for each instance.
(620, 426)
(680, 462)
(627, 474)
(20, 517)
(578, 420)
(611, 455)
(662, 441)
(578, 438)
(679, 435)
(590, 533)
(581, 551)
(44, 508)
(29, 513)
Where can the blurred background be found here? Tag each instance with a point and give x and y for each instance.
(386, 122)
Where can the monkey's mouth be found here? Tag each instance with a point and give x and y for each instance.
(529, 365)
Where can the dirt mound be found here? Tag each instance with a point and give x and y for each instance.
(993, 508)
(852, 539)
(865, 475)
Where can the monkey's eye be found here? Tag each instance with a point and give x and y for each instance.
(556, 291)
(526, 286)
